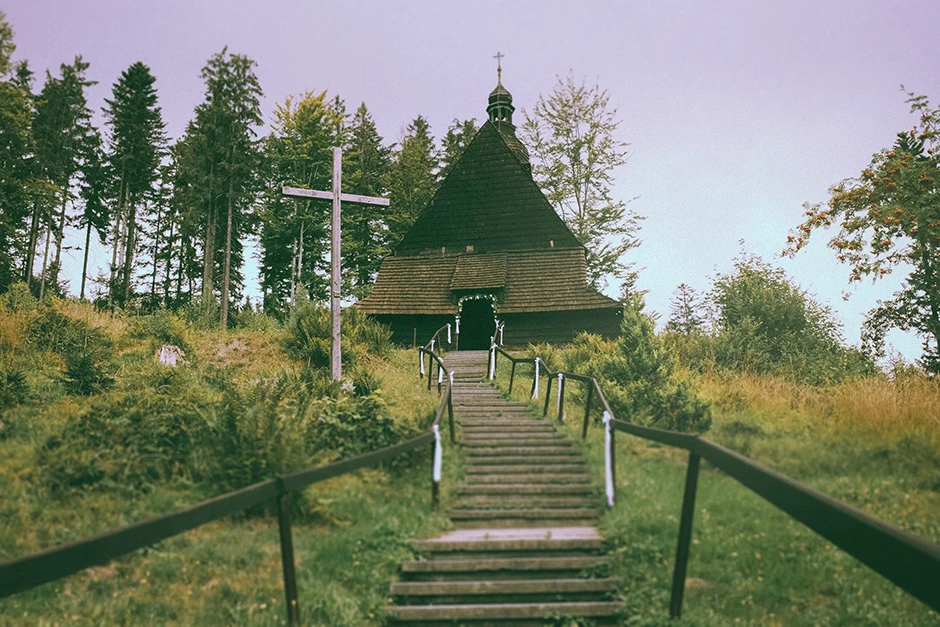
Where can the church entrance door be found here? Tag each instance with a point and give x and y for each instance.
(477, 323)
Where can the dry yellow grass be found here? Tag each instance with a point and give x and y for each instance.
(877, 407)
(113, 324)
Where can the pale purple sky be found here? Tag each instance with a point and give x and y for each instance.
(737, 111)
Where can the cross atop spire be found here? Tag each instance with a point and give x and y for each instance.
(499, 66)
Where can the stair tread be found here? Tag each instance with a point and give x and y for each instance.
(503, 610)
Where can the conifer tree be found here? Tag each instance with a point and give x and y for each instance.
(412, 179)
(60, 131)
(455, 141)
(365, 227)
(93, 193)
(137, 143)
(686, 311)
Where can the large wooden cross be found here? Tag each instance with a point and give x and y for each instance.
(337, 197)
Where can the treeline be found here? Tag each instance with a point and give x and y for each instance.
(176, 215)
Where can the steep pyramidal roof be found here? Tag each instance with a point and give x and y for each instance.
(490, 202)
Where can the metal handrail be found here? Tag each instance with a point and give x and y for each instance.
(910, 562)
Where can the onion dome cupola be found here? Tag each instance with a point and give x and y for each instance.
(500, 110)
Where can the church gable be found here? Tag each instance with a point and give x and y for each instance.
(488, 202)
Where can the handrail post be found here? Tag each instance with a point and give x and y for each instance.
(685, 536)
(287, 558)
(430, 368)
(512, 375)
(548, 393)
(587, 408)
(450, 407)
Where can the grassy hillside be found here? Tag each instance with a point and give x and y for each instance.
(142, 439)
(872, 442)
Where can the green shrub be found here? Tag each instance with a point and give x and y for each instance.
(134, 438)
(19, 298)
(636, 374)
(13, 387)
(161, 327)
(259, 434)
(309, 333)
(347, 426)
(87, 351)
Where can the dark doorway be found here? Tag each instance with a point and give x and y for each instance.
(477, 323)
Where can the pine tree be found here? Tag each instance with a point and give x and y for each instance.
(365, 227)
(455, 141)
(220, 161)
(60, 131)
(412, 179)
(686, 311)
(93, 193)
(15, 157)
(137, 143)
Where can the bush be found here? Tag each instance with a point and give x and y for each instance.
(87, 351)
(767, 324)
(19, 298)
(309, 333)
(636, 374)
(161, 327)
(134, 438)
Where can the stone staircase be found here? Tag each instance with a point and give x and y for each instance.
(524, 546)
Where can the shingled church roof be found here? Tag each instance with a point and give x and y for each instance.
(490, 202)
(489, 228)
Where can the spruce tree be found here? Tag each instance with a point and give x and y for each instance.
(412, 179)
(137, 143)
(365, 227)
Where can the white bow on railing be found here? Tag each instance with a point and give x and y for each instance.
(492, 359)
(561, 378)
(535, 384)
(432, 345)
(608, 467)
(421, 362)
(448, 333)
(438, 455)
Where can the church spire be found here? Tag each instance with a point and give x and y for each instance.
(500, 107)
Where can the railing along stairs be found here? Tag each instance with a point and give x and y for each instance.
(30, 571)
(910, 562)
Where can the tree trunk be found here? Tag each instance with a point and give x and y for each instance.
(129, 251)
(208, 256)
(226, 267)
(81, 293)
(59, 240)
(300, 258)
(45, 260)
(31, 253)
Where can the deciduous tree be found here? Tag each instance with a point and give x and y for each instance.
(572, 139)
(889, 218)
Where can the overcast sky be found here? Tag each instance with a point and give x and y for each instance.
(736, 112)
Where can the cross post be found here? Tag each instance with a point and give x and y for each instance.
(338, 198)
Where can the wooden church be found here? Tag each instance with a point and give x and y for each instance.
(490, 247)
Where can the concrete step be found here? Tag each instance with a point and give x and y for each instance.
(541, 459)
(550, 442)
(504, 591)
(513, 501)
(545, 454)
(526, 513)
(576, 476)
(502, 611)
(499, 567)
(532, 489)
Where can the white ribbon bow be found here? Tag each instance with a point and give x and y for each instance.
(535, 386)
(608, 468)
(438, 455)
